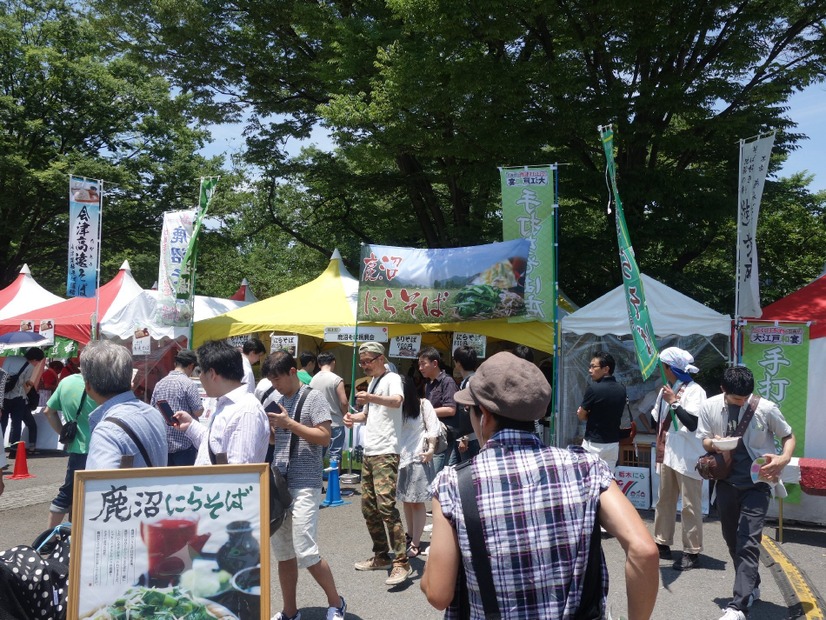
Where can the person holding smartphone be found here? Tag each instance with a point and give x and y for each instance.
(177, 392)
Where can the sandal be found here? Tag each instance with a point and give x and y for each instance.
(413, 551)
(407, 539)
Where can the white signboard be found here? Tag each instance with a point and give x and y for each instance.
(406, 347)
(474, 341)
(238, 341)
(141, 341)
(47, 330)
(279, 342)
(635, 482)
(348, 334)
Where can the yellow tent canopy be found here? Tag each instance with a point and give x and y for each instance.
(331, 300)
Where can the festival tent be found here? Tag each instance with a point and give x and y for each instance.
(73, 317)
(603, 324)
(244, 293)
(808, 306)
(331, 300)
(24, 295)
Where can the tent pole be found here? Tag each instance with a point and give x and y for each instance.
(553, 438)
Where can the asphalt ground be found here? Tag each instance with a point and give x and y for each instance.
(793, 572)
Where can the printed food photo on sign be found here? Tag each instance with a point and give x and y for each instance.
(171, 547)
(408, 285)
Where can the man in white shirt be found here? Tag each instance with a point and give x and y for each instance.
(238, 428)
(251, 353)
(382, 411)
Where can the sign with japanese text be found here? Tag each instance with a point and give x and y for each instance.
(528, 213)
(238, 341)
(754, 165)
(152, 540)
(478, 342)
(635, 483)
(350, 334)
(284, 343)
(409, 285)
(406, 347)
(778, 356)
(84, 237)
(175, 236)
(141, 340)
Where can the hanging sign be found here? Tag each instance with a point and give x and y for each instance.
(279, 342)
(406, 347)
(477, 342)
(348, 334)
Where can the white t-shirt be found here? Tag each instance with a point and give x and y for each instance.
(384, 424)
(414, 433)
(249, 376)
(683, 447)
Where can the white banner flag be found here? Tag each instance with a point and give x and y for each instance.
(754, 165)
(177, 230)
(84, 237)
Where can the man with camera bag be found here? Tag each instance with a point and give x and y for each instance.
(742, 502)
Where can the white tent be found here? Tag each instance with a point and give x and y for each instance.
(24, 295)
(142, 311)
(603, 324)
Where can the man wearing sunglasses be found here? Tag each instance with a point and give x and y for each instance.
(601, 410)
(382, 411)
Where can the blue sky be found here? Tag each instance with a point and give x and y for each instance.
(807, 109)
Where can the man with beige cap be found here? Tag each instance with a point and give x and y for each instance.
(382, 411)
(539, 510)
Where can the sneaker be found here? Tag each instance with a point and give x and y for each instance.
(733, 614)
(428, 527)
(665, 551)
(688, 561)
(337, 613)
(375, 563)
(754, 597)
(399, 574)
(282, 616)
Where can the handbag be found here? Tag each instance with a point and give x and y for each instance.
(441, 438)
(33, 399)
(717, 465)
(11, 380)
(69, 431)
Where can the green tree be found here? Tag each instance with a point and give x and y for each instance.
(425, 99)
(70, 104)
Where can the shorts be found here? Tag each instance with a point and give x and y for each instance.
(296, 538)
(62, 504)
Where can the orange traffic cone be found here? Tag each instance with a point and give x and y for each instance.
(21, 467)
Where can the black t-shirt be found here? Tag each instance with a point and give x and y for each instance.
(740, 475)
(605, 401)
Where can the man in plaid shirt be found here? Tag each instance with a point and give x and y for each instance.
(182, 395)
(538, 507)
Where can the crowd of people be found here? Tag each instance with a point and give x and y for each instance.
(516, 524)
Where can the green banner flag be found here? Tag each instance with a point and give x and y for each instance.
(778, 355)
(638, 317)
(186, 282)
(527, 213)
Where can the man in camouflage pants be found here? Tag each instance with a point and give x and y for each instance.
(382, 411)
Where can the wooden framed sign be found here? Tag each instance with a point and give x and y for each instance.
(171, 542)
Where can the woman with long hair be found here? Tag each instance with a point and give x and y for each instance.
(420, 432)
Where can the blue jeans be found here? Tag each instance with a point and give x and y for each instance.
(62, 504)
(336, 443)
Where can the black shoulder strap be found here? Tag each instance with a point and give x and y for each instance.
(132, 436)
(476, 536)
(266, 394)
(747, 416)
(80, 406)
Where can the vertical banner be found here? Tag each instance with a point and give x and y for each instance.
(754, 164)
(175, 237)
(527, 213)
(779, 358)
(638, 317)
(84, 237)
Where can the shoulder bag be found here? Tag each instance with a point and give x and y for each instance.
(441, 438)
(128, 430)
(33, 399)
(69, 431)
(717, 465)
(11, 380)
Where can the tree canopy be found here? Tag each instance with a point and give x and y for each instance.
(424, 100)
